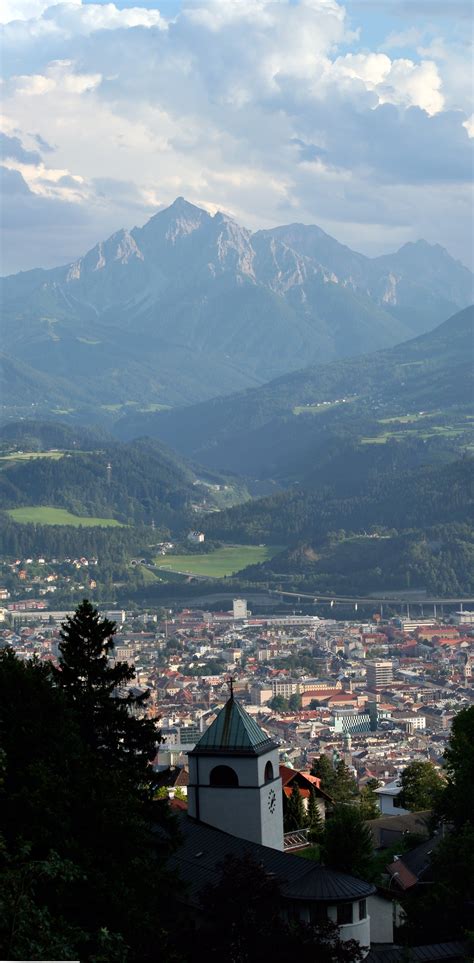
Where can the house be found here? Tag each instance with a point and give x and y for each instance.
(196, 538)
(306, 783)
(235, 808)
(388, 799)
(413, 867)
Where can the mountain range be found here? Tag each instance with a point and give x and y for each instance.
(192, 306)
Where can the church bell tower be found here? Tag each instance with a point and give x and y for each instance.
(234, 781)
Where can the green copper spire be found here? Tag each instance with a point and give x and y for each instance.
(234, 731)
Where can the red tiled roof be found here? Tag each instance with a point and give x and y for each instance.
(402, 875)
(304, 793)
(286, 774)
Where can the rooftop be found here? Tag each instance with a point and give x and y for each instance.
(234, 731)
(203, 848)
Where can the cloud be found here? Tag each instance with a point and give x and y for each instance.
(59, 75)
(270, 110)
(12, 182)
(43, 144)
(11, 148)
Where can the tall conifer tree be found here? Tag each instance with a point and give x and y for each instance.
(110, 714)
(315, 821)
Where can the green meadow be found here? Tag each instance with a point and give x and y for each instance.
(223, 561)
(45, 515)
(29, 455)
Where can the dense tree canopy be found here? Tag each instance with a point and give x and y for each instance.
(347, 842)
(443, 910)
(81, 871)
(422, 786)
(457, 801)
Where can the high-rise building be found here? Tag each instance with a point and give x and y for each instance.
(239, 608)
(379, 673)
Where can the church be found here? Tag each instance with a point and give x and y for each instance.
(235, 809)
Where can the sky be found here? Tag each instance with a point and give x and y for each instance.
(355, 116)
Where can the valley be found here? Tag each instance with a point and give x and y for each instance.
(349, 476)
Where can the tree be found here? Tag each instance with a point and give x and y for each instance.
(443, 910)
(347, 842)
(294, 811)
(246, 922)
(456, 801)
(295, 702)
(279, 704)
(422, 787)
(344, 786)
(369, 802)
(323, 770)
(79, 849)
(109, 715)
(314, 818)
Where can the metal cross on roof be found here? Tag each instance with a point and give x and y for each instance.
(230, 683)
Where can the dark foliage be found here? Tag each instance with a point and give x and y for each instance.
(81, 870)
(347, 842)
(247, 924)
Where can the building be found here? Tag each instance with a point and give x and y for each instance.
(239, 609)
(260, 695)
(379, 673)
(235, 809)
(464, 618)
(388, 799)
(285, 687)
(196, 538)
(236, 760)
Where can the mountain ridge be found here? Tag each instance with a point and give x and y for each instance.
(196, 306)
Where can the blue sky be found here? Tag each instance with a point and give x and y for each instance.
(356, 116)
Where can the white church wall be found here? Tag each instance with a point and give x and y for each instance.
(381, 919)
(359, 929)
(240, 812)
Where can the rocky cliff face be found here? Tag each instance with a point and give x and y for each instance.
(196, 305)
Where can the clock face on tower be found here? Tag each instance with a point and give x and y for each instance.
(271, 800)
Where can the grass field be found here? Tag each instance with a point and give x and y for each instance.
(224, 561)
(44, 515)
(28, 455)
(408, 419)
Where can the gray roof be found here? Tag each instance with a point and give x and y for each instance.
(203, 849)
(234, 731)
(427, 954)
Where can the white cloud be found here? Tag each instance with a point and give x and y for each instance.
(11, 10)
(469, 125)
(266, 108)
(59, 75)
(395, 81)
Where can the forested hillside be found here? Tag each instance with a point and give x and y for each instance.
(417, 498)
(85, 472)
(424, 386)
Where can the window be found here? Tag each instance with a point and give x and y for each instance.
(344, 913)
(268, 772)
(223, 776)
(293, 912)
(362, 909)
(318, 913)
